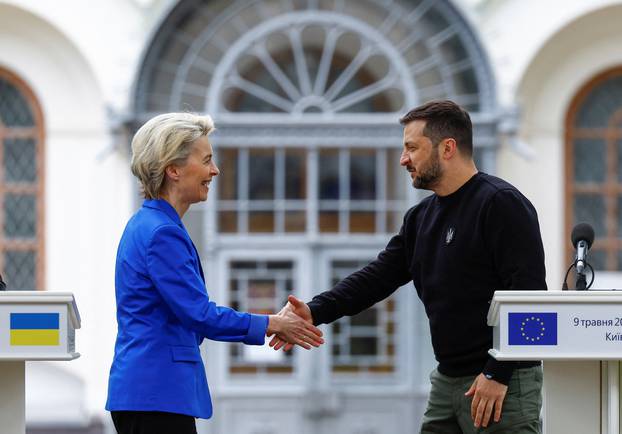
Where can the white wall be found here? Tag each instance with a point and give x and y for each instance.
(109, 36)
(514, 33)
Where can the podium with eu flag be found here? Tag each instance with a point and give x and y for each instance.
(34, 325)
(578, 336)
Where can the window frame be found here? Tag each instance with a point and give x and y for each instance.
(610, 189)
(404, 299)
(300, 361)
(383, 362)
(37, 133)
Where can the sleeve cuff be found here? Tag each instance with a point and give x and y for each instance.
(257, 330)
(314, 307)
(499, 371)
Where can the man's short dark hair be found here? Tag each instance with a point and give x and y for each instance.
(444, 119)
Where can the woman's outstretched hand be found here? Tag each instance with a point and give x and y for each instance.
(301, 309)
(292, 329)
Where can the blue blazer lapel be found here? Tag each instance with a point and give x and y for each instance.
(198, 259)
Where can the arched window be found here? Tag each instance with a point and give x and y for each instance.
(315, 65)
(21, 185)
(594, 167)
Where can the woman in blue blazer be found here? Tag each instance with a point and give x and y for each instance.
(157, 380)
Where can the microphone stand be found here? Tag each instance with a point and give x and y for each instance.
(581, 283)
(582, 249)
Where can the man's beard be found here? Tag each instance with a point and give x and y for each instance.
(430, 175)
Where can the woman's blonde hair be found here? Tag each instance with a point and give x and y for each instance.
(164, 140)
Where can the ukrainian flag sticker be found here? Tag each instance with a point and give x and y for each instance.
(35, 329)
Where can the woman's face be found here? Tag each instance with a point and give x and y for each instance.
(196, 175)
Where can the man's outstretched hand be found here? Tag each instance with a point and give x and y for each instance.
(294, 330)
(298, 307)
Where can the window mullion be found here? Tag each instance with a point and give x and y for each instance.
(381, 191)
(344, 190)
(279, 190)
(243, 180)
(312, 191)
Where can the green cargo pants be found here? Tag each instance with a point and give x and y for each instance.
(449, 411)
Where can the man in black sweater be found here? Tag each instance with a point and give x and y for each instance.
(474, 235)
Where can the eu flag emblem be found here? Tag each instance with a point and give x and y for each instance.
(532, 328)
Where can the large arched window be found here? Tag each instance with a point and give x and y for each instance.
(594, 167)
(21, 185)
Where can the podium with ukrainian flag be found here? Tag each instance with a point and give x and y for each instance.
(578, 336)
(34, 325)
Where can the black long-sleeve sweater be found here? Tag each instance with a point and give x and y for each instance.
(458, 249)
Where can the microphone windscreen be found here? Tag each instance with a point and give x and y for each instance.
(582, 231)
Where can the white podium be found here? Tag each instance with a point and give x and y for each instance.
(578, 336)
(34, 325)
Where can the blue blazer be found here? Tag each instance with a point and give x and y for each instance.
(163, 315)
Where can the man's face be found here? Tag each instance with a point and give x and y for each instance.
(420, 157)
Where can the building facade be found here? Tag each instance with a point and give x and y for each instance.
(305, 95)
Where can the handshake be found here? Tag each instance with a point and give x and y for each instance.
(293, 325)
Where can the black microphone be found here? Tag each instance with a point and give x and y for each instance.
(2, 284)
(582, 238)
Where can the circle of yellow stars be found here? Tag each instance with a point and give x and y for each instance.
(524, 323)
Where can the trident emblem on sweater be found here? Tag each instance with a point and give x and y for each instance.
(450, 236)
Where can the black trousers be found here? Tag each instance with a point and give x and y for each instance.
(153, 422)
